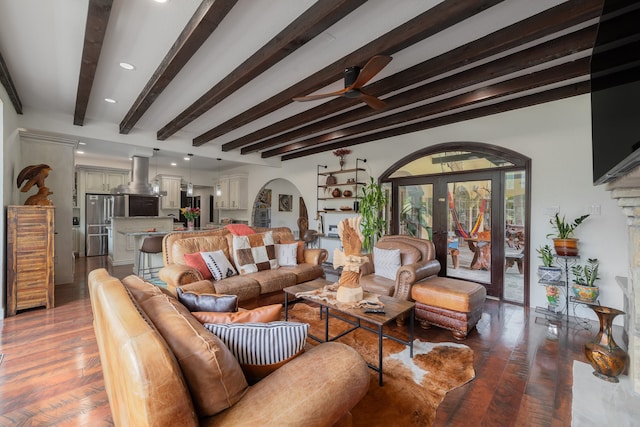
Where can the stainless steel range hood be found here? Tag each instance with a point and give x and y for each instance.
(140, 179)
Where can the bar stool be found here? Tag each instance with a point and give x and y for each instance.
(150, 245)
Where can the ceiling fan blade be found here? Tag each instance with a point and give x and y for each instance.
(370, 69)
(372, 101)
(321, 95)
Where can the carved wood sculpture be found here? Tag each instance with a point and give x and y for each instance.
(351, 259)
(35, 175)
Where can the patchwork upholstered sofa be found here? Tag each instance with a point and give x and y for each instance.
(163, 368)
(256, 276)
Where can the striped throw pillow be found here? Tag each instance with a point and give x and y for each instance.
(261, 348)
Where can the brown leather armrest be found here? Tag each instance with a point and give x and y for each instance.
(175, 275)
(367, 268)
(412, 273)
(315, 256)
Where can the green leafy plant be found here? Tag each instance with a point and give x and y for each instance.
(372, 203)
(546, 255)
(415, 216)
(586, 274)
(564, 229)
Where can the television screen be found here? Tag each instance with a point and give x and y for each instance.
(615, 91)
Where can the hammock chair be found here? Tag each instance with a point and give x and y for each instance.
(460, 230)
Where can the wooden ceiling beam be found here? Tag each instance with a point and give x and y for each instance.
(94, 32)
(543, 24)
(554, 49)
(314, 21)
(566, 91)
(436, 19)
(567, 71)
(7, 82)
(204, 21)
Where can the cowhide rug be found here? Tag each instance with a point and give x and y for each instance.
(413, 388)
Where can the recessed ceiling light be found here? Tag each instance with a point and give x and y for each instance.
(187, 158)
(79, 152)
(110, 100)
(174, 164)
(82, 143)
(127, 66)
(160, 1)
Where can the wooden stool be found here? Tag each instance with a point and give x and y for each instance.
(451, 304)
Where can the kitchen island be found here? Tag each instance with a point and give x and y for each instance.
(126, 234)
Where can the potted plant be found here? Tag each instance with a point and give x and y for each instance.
(547, 272)
(584, 278)
(563, 242)
(370, 207)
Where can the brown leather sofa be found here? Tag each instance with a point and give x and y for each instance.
(261, 288)
(147, 384)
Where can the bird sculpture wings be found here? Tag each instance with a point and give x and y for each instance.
(34, 175)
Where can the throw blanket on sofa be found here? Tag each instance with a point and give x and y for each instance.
(328, 294)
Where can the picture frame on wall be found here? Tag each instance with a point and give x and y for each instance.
(285, 203)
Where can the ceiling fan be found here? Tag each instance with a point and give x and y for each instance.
(354, 79)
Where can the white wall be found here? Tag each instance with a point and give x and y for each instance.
(556, 136)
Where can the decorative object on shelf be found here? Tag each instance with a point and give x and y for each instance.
(341, 153)
(331, 180)
(563, 243)
(547, 272)
(604, 355)
(350, 260)
(584, 277)
(285, 203)
(35, 175)
(553, 295)
(191, 214)
(371, 206)
(347, 193)
(336, 192)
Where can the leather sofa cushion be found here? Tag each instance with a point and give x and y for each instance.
(192, 245)
(305, 272)
(245, 287)
(409, 254)
(274, 280)
(450, 294)
(212, 373)
(378, 284)
(264, 314)
(208, 302)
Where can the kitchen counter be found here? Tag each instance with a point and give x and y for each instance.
(126, 234)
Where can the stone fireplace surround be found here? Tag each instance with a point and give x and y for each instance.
(626, 191)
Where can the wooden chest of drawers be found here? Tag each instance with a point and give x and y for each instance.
(30, 262)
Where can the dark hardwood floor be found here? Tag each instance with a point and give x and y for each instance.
(50, 372)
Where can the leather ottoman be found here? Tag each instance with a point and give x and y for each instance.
(451, 304)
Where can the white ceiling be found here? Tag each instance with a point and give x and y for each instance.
(41, 42)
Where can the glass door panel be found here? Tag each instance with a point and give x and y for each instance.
(515, 221)
(469, 230)
(416, 210)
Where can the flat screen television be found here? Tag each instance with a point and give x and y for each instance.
(615, 91)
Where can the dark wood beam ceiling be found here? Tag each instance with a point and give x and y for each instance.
(562, 92)
(7, 82)
(203, 22)
(571, 70)
(436, 19)
(314, 21)
(95, 29)
(543, 24)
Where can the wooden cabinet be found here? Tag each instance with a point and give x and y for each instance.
(233, 192)
(170, 184)
(97, 181)
(30, 257)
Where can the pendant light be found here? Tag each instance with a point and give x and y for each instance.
(218, 187)
(190, 184)
(155, 185)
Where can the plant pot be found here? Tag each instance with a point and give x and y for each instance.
(586, 293)
(549, 274)
(553, 294)
(604, 355)
(566, 247)
(336, 192)
(190, 225)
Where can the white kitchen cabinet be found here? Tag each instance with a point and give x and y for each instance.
(97, 181)
(233, 192)
(170, 184)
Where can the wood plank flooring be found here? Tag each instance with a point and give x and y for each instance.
(50, 372)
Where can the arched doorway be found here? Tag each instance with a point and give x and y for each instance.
(472, 201)
(279, 203)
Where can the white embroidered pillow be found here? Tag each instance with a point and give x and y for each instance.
(386, 262)
(287, 254)
(255, 252)
(218, 264)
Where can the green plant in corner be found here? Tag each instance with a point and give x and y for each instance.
(371, 205)
(415, 215)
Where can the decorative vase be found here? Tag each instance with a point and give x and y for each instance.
(549, 274)
(190, 225)
(566, 247)
(585, 293)
(603, 353)
(331, 180)
(342, 162)
(347, 193)
(336, 192)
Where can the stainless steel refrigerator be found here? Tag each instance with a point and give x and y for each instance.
(98, 210)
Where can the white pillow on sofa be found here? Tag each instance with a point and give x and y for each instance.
(218, 264)
(386, 262)
(287, 254)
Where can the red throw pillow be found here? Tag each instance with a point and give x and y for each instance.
(240, 229)
(300, 253)
(196, 261)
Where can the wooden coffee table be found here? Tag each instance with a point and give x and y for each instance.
(393, 309)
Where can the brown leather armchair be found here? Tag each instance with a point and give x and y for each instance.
(417, 258)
